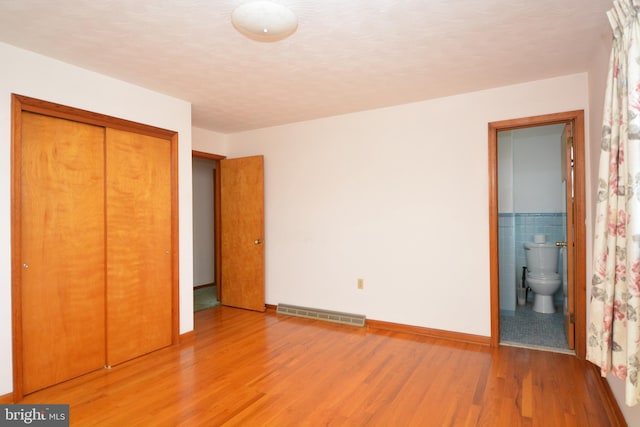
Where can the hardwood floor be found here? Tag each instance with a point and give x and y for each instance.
(252, 369)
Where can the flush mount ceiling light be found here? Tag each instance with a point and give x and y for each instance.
(264, 21)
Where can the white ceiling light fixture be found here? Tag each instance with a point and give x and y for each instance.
(264, 21)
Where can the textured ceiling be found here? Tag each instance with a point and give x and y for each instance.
(347, 55)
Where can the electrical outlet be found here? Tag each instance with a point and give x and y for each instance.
(360, 283)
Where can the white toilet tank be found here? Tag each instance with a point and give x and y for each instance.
(542, 258)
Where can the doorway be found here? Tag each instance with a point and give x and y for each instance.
(204, 284)
(207, 289)
(574, 229)
(238, 230)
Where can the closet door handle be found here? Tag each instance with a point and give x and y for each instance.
(257, 241)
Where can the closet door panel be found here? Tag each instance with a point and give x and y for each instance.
(139, 269)
(62, 249)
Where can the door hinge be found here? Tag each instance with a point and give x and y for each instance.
(572, 318)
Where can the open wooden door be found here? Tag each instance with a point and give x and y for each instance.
(242, 232)
(569, 305)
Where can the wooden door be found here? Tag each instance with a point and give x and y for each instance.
(242, 232)
(61, 200)
(569, 310)
(138, 224)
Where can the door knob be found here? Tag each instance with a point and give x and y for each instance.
(257, 241)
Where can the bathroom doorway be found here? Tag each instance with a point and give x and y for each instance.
(536, 170)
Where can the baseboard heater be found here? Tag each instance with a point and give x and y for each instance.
(329, 316)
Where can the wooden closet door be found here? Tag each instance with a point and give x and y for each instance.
(62, 249)
(139, 269)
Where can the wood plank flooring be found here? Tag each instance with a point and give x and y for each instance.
(262, 369)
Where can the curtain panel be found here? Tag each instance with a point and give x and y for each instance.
(613, 335)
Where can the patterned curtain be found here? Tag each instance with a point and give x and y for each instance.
(613, 335)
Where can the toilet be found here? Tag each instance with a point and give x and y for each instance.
(542, 273)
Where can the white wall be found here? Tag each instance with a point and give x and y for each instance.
(537, 165)
(505, 171)
(208, 141)
(397, 196)
(530, 170)
(26, 73)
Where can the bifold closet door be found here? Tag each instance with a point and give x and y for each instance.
(139, 272)
(62, 249)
